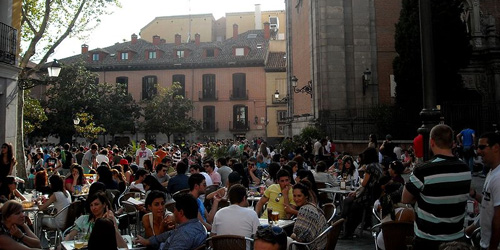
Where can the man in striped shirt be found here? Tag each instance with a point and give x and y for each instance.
(440, 188)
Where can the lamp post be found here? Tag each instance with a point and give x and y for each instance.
(306, 89)
(24, 82)
(53, 70)
(76, 121)
(430, 113)
(277, 100)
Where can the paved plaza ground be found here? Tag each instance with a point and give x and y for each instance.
(366, 242)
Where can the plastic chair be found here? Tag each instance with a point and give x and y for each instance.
(397, 235)
(233, 242)
(329, 210)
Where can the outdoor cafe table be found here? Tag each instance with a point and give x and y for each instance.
(70, 244)
(335, 191)
(287, 225)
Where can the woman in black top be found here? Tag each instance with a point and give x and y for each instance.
(8, 161)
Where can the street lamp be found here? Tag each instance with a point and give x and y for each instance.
(53, 70)
(277, 99)
(306, 89)
(76, 120)
(367, 78)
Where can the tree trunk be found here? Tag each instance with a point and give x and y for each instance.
(21, 164)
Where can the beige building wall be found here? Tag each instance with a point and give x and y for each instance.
(167, 26)
(275, 81)
(277, 46)
(246, 21)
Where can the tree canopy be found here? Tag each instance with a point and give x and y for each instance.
(167, 113)
(76, 92)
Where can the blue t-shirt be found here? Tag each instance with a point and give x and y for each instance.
(201, 209)
(467, 137)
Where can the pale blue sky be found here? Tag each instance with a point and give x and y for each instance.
(135, 14)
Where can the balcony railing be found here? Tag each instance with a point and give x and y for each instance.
(210, 127)
(238, 126)
(238, 96)
(8, 44)
(208, 97)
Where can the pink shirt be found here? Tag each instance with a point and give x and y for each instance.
(215, 177)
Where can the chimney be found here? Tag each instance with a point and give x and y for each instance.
(267, 31)
(133, 38)
(197, 39)
(156, 40)
(85, 48)
(258, 17)
(235, 31)
(177, 39)
(163, 41)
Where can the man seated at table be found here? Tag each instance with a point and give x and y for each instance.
(270, 238)
(197, 187)
(180, 181)
(224, 219)
(189, 234)
(161, 174)
(278, 196)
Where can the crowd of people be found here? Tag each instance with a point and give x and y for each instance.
(211, 194)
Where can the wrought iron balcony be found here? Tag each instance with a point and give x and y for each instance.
(210, 127)
(239, 126)
(237, 95)
(8, 44)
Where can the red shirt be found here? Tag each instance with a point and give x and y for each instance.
(418, 146)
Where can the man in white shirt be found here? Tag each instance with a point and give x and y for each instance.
(224, 219)
(143, 154)
(489, 149)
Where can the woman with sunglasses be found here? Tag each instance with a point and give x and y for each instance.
(99, 207)
(310, 219)
(277, 196)
(14, 233)
(8, 161)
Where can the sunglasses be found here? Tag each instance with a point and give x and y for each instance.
(278, 198)
(482, 147)
(275, 229)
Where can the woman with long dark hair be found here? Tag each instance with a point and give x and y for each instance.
(99, 207)
(8, 161)
(60, 198)
(76, 178)
(367, 192)
(310, 219)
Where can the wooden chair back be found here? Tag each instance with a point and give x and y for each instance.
(223, 242)
(397, 235)
(333, 235)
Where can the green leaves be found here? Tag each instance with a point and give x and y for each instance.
(167, 113)
(34, 114)
(75, 92)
